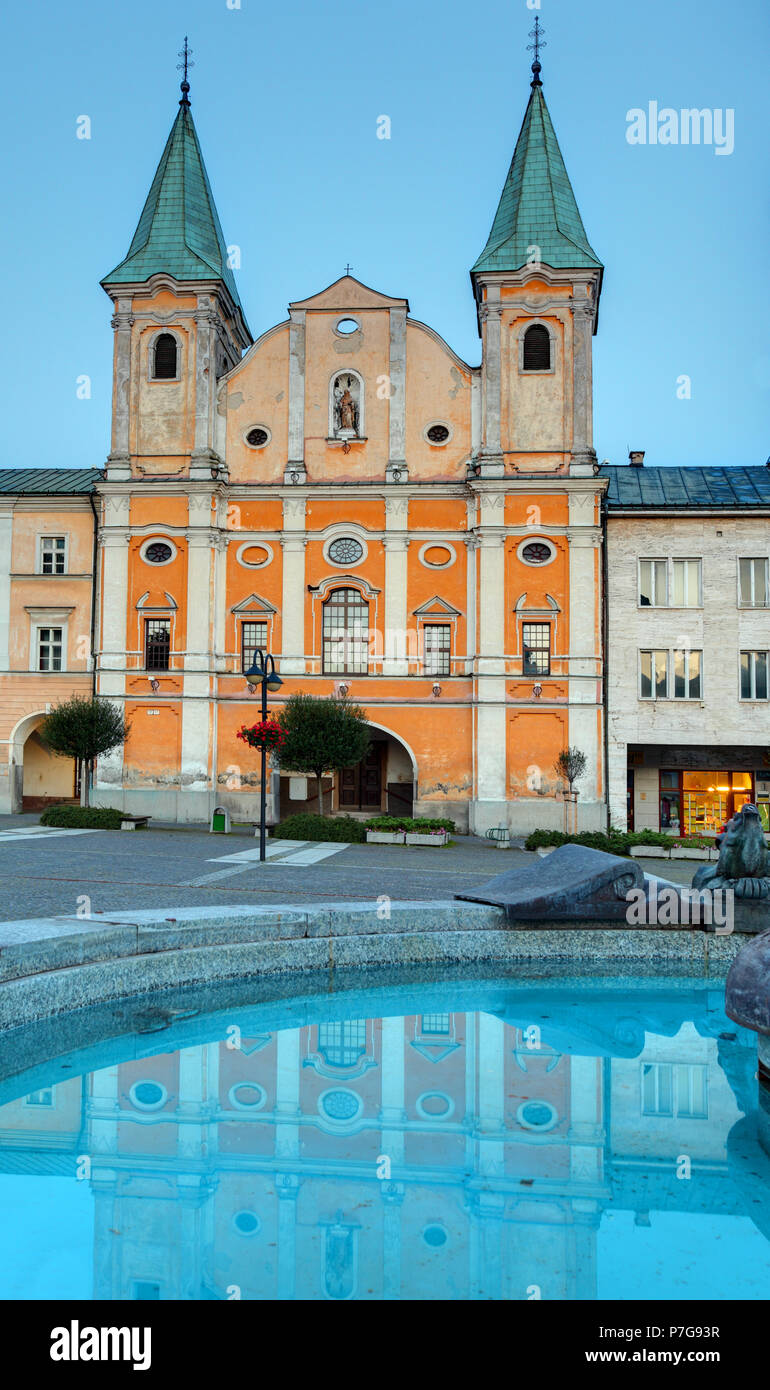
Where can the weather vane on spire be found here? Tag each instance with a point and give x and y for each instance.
(537, 35)
(184, 54)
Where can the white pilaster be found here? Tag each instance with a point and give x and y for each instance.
(397, 371)
(113, 540)
(118, 463)
(297, 389)
(6, 546)
(395, 543)
(293, 542)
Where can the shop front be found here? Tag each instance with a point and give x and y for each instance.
(677, 791)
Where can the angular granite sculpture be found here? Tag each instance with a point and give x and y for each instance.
(573, 883)
(743, 864)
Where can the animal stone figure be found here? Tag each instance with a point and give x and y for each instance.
(743, 859)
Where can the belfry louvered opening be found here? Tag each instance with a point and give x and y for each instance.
(537, 349)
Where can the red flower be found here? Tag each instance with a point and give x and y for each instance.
(267, 733)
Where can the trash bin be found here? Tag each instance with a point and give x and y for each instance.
(220, 821)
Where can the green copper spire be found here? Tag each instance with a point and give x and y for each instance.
(537, 207)
(179, 230)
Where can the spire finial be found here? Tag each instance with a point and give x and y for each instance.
(184, 54)
(537, 35)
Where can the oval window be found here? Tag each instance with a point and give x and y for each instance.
(346, 550)
(147, 1095)
(438, 555)
(246, 1223)
(347, 326)
(435, 1235)
(536, 553)
(438, 434)
(158, 553)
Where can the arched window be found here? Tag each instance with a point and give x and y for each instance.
(164, 357)
(537, 349)
(345, 633)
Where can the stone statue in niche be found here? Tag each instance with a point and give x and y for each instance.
(347, 390)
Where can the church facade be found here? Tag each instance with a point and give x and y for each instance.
(389, 521)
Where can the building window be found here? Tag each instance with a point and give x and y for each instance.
(664, 583)
(687, 682)
(342, 1044)
(753, 583)
(42, 1100)
(754, 668)
(436, 1025)
(157, 644)
(53, 554)
(253, 636)
(437, 649)
(345, 633)
(654, 675)
(345, 550)
(537, 349)
(164, 358)
(675, 1089)
(678, 679)
(685, 583)
(49, 648)
(536, 639)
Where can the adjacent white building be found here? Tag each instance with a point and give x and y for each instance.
(687, 645)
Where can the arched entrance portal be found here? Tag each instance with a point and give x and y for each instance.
(37, 776)
(383, 782)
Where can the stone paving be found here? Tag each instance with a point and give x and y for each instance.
(44, 875)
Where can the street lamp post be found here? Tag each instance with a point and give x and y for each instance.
(263, 673)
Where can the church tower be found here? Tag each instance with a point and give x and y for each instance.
(537, 285)
(178, 320)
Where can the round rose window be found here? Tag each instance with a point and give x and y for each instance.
(536, 553)
(438, 434)
(158, 553)
(345, 551)
(257, 437)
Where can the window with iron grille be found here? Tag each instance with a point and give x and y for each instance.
(253, 636)
(157, 643)
(537, 349)
(536, 640)
(345, 633)
(341, 1044)
(437, 649)
(49, 648)
(164, 357)
(754, 675)
(53, 552)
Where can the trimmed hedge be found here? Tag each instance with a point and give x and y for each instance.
(614, 841)
(410, 823)
(82, 817)
(307, 826)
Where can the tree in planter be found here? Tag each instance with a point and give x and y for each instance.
(84, 730)
(322, 735)
(570, 765)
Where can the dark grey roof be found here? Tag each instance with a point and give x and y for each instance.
(63, 481)
(686, 487)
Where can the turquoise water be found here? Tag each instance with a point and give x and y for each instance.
(485, 1138)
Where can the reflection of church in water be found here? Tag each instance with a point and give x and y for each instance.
(441, 1155)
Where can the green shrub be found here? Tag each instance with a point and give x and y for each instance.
(306, 826)
(612, 841)
(414, 824)
(82, 817)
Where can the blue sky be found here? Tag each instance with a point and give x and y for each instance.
(286, 100)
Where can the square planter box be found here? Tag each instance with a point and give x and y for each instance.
(650, 852)
(685, 853)
(415, 837)
(385, 837)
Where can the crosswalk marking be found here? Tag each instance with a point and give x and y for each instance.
(300, 853)
(42, 832)
(312, 855)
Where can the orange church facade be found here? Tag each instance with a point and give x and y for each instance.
(388, 520)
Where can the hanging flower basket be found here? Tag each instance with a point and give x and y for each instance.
(268, 733)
